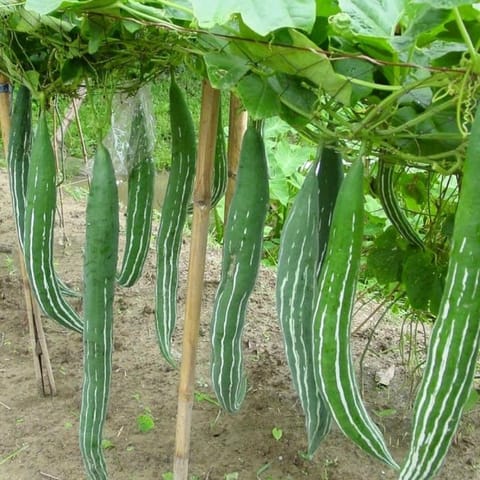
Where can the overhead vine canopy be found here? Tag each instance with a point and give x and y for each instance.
(400, 76)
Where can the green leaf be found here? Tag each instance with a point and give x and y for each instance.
(145, 422)
(261, 17)
(259, 98)
(359, 69)
(43, 6)
(107, 444)
(225, 71)
(373, 18)
(277, 433)
(420, 277)
(385, 259)
(296, 55)
(445, 4)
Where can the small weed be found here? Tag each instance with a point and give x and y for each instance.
(10, 265)
(76, 192)
(262, 470)
(107, 444)
(205, 397)
(145, 421)
(277, 433)
(231, 476)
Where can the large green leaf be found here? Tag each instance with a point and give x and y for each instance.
(261, 17)
(373, 18)
(44, 7)
(443, 4)
(259, 98)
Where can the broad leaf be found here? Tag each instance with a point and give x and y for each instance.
(44, 7)
(259, 98)
(441, 4)
(373, 18)
(421, 280)
(261, 17)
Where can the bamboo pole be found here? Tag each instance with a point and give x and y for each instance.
(198, 248)
(237, 125)
(41, 359)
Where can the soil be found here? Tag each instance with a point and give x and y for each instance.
(38, 438)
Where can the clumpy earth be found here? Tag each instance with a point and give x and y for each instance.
(38, 435)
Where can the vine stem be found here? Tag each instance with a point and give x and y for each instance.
(468, 41)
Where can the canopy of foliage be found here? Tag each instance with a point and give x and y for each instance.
(399, 78)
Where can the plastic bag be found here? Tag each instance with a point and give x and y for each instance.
(118, 140)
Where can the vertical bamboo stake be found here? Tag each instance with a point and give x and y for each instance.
(38, 344)
(237, 125)
(198, 248)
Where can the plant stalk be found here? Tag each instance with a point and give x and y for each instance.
(201, 212)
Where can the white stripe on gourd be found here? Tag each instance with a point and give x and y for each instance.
(39, 230)
(386, 194)
(241, 258)
(455, 339)
(302, 247)
(100, 261)
(332, 319)
(140, 201)
(173, 217)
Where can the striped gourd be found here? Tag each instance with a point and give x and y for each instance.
(19, 156)
(140, 202)
(332, 319)
(174, 214)
(100, 261)
(454, 343)
(386, 193)
(241, 257)
(220, 169)
(39, 230)
(18, 163)
(302, 247)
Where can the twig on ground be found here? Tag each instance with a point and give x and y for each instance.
(47, 475)
(12, 455)
(5, 405)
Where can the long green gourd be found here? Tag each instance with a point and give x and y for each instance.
(241, 258)
(386, 193)
(141, 183)
(100, 262)
(302, 248)
(332, 319)
(174, 214)
(220, 168)
(19, 156)
(39, 228)
(18, 164)
(455, 339)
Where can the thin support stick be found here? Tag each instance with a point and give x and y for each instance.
(41, 359)
(198, 249)
(237, 125)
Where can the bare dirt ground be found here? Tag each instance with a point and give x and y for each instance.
(38, 435)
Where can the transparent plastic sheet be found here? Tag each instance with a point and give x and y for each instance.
(118, 139)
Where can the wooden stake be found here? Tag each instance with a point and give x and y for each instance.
(198, 248)
(238, 118)
(38, 344)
